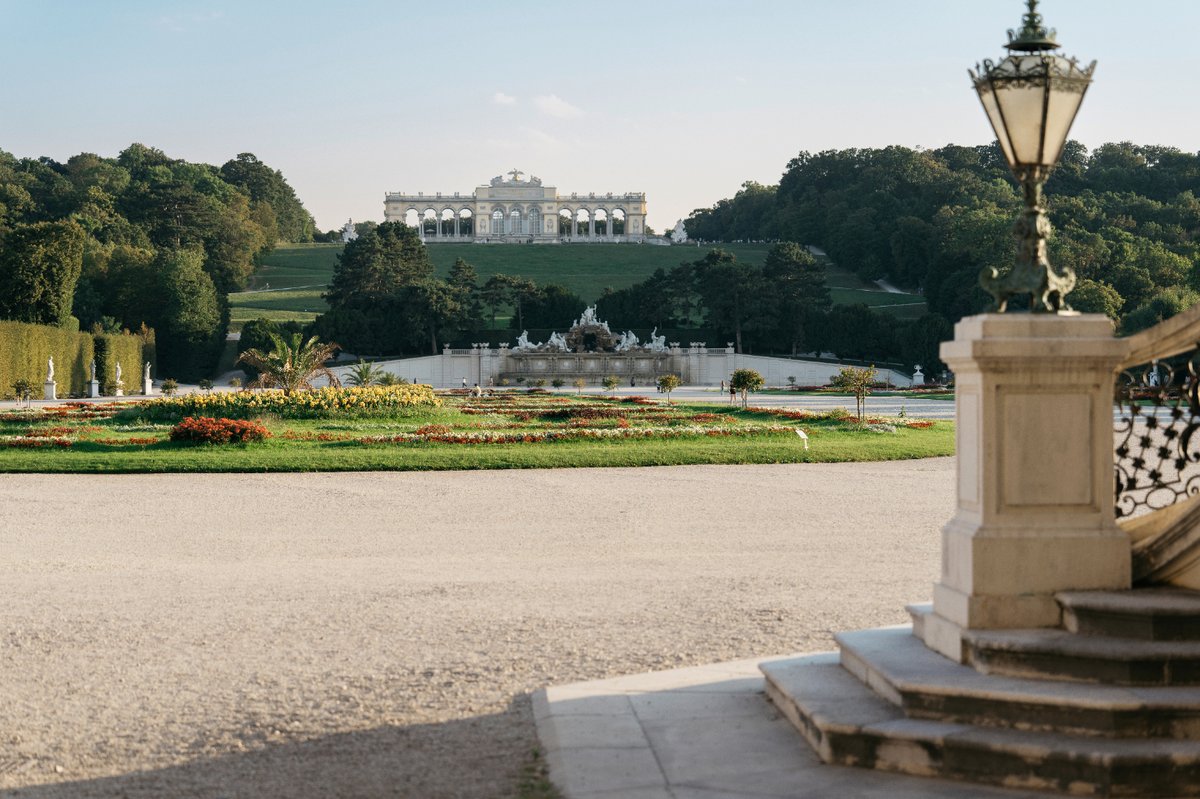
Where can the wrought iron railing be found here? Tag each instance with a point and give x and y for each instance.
(1157, 434)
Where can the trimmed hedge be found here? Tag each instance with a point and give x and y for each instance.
(124, 348)
(25, 348)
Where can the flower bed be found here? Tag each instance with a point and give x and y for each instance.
(315, 404)
(572, 434)
(206, 430)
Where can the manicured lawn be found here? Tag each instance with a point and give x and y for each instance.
(303, 270)
(511, 429)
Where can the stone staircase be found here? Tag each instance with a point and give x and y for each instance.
(1107, 705)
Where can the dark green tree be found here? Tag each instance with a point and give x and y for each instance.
(39, 267)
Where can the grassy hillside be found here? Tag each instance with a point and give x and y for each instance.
(290, 283)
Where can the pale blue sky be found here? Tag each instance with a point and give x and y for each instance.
(682, 99)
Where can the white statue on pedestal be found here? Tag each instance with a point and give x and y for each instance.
(679, 234)
(118, 381)
(348, 232)
(627, 341)
(657, 343)
(146, 374)
(50, 370)
(93, 370)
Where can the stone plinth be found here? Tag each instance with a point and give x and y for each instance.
(93, 388)
(1035, 464)
(50, 390)
(147, 386)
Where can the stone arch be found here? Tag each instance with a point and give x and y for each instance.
(429, 222)
(583, 221)
(618, 221)
(466, 222)
(412, 217)
(446, 222)
(566, 217)
(600, 215)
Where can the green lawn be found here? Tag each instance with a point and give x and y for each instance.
(126, 438)
(587, 269)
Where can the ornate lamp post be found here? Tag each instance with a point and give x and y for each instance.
(1031, 98)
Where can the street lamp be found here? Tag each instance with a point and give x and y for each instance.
(1031, 98)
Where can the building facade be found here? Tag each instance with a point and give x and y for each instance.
(519, 209)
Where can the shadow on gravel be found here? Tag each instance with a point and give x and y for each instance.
(482, 757)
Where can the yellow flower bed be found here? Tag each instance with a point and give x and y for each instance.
(301, 404)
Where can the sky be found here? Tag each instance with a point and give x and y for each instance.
(682, 99)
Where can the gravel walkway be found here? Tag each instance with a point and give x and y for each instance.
(376, 635)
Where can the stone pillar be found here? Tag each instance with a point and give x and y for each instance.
(1034, 410)
(93, 388)
(457, 227)
(592, 225)
(147, 386)
(50, 390)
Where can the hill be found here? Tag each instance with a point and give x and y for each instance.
(292, 278)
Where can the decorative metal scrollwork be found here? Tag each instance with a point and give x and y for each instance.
(1157, 435)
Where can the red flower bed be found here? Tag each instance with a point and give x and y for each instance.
(206, 430)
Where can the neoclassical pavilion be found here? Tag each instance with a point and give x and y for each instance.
(518, 208)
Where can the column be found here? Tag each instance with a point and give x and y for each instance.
(1034, 516)
(457, 228)
(592, 224)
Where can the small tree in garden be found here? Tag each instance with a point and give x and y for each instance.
(611, 382)
(558, 382)
(169, 387)
(744, 381)
(363, 374)
(667, 384)
(539, 383)
(205, 384)
(23, 389)
(858, 382)
(579, 385)
(291, 364)
(235, 382)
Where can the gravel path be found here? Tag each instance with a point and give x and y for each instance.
(372, 635)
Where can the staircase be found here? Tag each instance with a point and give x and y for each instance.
(1106, 705)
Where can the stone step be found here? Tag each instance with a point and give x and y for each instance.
(1150, 614)
(1054, 654)
(848, 724)
(901, 669)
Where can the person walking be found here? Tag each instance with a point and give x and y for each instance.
(464, 382)
(732, 393)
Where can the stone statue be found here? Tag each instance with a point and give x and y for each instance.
(348, 232)
(523, 342)
(498, 180)
(534, 180)
(118, 380)
(627, 341)
(657, 343)
(679, 234)
(146, 373)
(918, 378)
(557, 342)
(50, 370)
(93, 370)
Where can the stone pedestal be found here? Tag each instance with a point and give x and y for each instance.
(50, 390)
(93, 388)
(1035, 473)
(147, 386)
(120, 392)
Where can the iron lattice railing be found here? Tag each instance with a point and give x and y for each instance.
(1157, 434)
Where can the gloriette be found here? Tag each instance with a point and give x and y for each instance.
(520, 209)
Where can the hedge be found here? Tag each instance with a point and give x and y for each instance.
(124, 348)
(25, 348)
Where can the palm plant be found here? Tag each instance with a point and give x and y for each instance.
(364, 374)
(291, 364)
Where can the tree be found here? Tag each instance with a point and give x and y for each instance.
(40, 265)
(858, 382)
(744, 381)
(667, 384)
(188, 323)
(734, 294)
(611, 382)
(363, 373)
(292, 364)
(268, 187)
(552, 306)
(463, 283)
(797, 283)
(378, 265)
(579, 384)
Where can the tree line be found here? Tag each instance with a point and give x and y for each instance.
(1126, 218)
(140, 240)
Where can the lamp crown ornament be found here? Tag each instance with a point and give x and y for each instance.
(1031, 98)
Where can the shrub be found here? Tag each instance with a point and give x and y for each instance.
(23, 389)
(744, 381)
(611, 382)
(558, 382)
(539, 383)
(579, 385)
(235, 382)
(667, 384)
(205, 384)
(207, 430)
(858, 382)
(318, 403)
(169, 387)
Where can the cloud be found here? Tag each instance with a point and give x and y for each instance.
(500, 98)
(554, 106)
